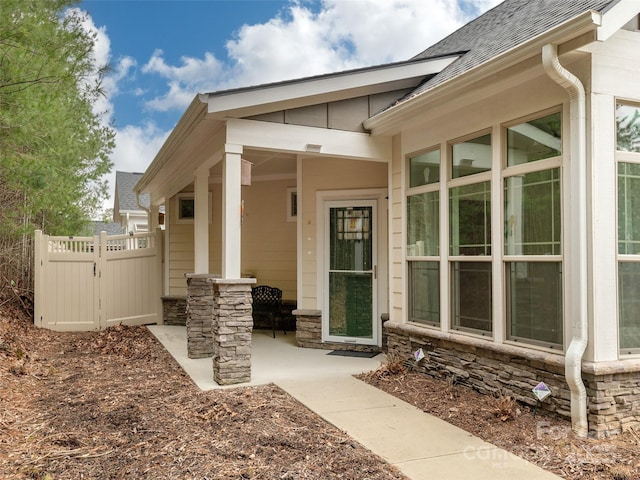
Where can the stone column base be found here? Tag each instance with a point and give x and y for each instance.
(174, 310)
(200, 315)
(232, 331)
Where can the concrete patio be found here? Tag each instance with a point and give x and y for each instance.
(420, 445)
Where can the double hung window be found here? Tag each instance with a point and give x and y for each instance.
(470, 235)
(423, 237)
(532, 231)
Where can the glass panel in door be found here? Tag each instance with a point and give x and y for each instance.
(351, 272)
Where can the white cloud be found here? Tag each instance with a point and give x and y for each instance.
(192, 76)
(298, 42)
(302, 42)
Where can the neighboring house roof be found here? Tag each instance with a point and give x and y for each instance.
(501, 29)
(112, 228)
(125, 195)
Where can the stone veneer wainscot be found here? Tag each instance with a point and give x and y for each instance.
(613, 389)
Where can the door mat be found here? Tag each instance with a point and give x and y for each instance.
(351, 353)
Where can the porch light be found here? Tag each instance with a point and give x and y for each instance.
(245, 172)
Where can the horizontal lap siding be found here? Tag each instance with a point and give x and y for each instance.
(268, 239)
(328, 174)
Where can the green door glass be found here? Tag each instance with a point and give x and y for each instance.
(351, 272)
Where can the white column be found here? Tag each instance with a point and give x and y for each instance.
(154, 212)
(231, 212)
(603, 273)
(201, 221)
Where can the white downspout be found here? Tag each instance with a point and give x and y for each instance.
(147, 210)
(578, 235)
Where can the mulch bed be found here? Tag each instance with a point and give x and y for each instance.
(115, 405)
(539, 438)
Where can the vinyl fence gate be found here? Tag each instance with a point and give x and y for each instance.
(91, 283)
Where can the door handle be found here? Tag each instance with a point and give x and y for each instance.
(375, 272)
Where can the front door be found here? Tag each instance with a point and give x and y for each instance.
(351, 272)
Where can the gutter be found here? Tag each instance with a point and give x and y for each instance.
(577, 233)
(386, 122)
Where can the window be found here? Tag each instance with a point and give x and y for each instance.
(292, 204)
(532, 231)
(470, 235)
(629, 306)
(532, 213)
(186, 208)
(627, 128)
(534, 140)
(423, 224)
(423, 237)
(534, 295)
(472, 296)
(424, 168)
(470, 219)
(628, 149)
(471, 156)
(424, 294)
(628, 208)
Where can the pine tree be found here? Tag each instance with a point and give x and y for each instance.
(54, 150)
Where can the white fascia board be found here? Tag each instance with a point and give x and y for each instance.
(297, 139)
(614, 18)
(331, 87)
(390, 120)
(189, 121)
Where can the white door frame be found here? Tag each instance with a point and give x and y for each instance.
(380, 290)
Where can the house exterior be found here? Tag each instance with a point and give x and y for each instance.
(480, 198)
(132, 216)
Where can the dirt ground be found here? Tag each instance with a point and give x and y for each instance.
(539, 438)
(114, 405)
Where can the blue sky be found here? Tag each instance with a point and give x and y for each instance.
(164, 52)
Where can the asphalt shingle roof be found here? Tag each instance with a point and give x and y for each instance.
(125, 181)
(502, 28)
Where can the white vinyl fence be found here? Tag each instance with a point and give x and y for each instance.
(91, 283)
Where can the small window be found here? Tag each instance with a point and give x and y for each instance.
(534, 140)
(292, 204)
(628, 128)
(186, 208)
(471, 156)
(424, 169)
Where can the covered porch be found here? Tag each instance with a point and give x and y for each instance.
(255, 213)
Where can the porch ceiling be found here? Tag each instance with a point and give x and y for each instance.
(266, 164)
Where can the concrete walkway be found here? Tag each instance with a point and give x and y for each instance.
(418, 444)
